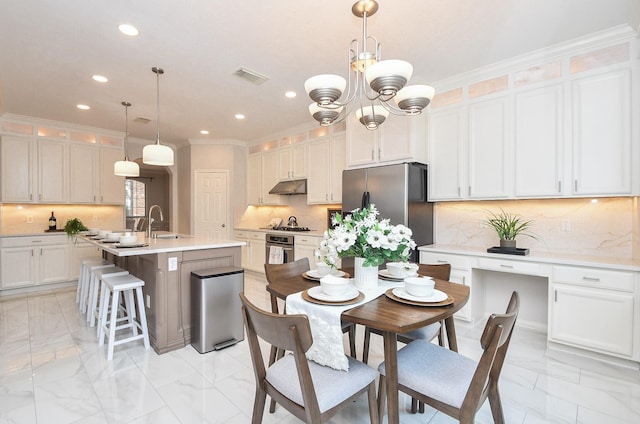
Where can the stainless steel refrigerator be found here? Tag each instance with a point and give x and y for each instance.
(399, 192)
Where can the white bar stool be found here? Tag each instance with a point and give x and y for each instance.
(112, 286)
(84, 279)
(94, 286)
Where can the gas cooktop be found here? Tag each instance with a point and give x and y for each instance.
(284, 228)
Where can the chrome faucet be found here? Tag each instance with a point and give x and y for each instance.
(151, 220)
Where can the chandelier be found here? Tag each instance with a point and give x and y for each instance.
(157, 154)
(126, 168)
(371, 86)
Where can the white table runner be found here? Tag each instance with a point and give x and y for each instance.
(324, 320)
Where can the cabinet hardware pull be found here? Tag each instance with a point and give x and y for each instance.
(575, 185)
(442, 261)
(555, 295)
(559, 186)
(379, 153)
(40, 196)
(372, 154)
(326, 196)
(30, 196)
(506, 266)
(469, 191)
(458, 191)
(464, 280)
(36, 241)
(591, 278)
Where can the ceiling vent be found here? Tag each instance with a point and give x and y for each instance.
(251, 76)
(142, 120)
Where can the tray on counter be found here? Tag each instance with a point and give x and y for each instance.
(517, 251)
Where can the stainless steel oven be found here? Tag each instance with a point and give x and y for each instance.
(283, 241)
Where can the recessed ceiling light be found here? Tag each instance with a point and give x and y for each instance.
(127, 29)
(290, 94)
(239, 116)
(204, 132)
(83, 107)
(100, 78)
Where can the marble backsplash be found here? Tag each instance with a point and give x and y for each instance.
(606, 227)
(14, 218)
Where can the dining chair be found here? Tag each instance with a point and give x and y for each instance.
(451, 382)
(428, 332)
(318, 392)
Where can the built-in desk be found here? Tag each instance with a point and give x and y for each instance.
(586, 305)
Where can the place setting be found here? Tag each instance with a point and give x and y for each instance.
(333, 290)
(321, 270)
(419, 291)
(398, 271)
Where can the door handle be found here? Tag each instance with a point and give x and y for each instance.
(223, 225)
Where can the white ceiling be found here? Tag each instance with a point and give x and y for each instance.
(50, 49)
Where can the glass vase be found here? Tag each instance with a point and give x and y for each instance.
(366, 277)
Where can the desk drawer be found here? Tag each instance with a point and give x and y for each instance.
(456, 261)
(594, 277)
(505, 265)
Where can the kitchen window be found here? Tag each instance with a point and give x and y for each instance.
(135, 198)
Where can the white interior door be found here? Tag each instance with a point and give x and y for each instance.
(211, 204)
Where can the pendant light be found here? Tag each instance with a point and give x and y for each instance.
(372, 83)
(126, 168)
(157, 154)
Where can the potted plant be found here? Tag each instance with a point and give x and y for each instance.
(509, 226)
(73, 228)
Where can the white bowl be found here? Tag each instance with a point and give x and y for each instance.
(113, 236)
(103, 233)
(323, 269)
(93, 231)
(419, 286)
(334, 286)
(128, 239)
(400, 269)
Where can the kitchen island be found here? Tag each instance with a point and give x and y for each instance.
(165, 265)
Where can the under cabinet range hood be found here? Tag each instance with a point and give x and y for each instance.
(290, 187)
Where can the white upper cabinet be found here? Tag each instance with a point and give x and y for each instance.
(538, 142)
(292, 158)
(489, 150)
(602, 134)
(34, 170)
(447, 161)
(560, 128)
(326, 163)
(111, 186)
(398, 139)
(262, 176)
(83, 176)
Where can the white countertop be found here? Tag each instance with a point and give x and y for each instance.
(164, 245)
(628, 264)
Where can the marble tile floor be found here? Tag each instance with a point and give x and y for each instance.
(52, 371)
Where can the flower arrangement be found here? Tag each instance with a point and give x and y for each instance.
(361, 234)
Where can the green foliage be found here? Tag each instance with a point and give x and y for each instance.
(74, 226)
(509, 226)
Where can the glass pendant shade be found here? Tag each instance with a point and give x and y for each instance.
(413, 98)
(157, 154)
(325, 89)
(371, 116)
(323, 115)
(388, 76)
(126, 168)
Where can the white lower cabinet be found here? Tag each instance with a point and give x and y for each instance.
(594, 309)
(32, 261)
(253, 254)
(305, 247)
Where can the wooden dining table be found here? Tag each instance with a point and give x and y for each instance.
(390, 317)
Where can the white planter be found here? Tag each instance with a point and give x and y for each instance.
(366, 277)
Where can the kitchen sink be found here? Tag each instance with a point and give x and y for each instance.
(163, 235)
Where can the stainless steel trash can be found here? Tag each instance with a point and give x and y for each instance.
(216, 315)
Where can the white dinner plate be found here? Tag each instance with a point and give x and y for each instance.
(317, 293)
(384, 273)
(437, 296)
(315, 274)
(130, 245)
